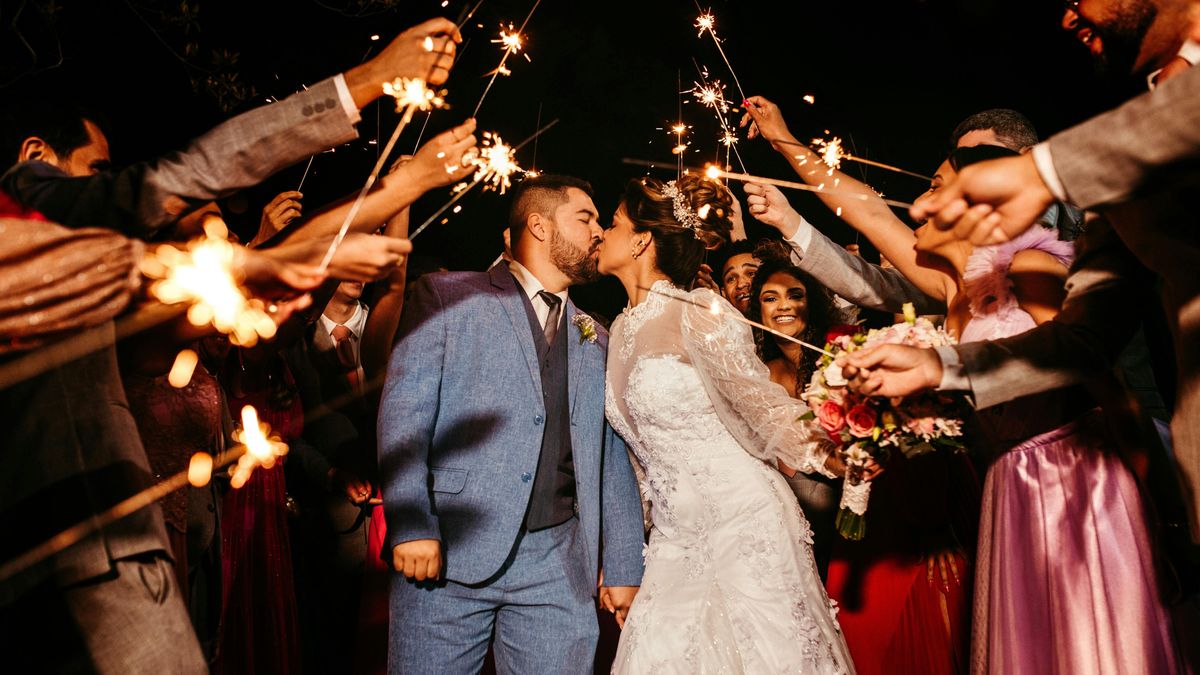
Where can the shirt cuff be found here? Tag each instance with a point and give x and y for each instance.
(343, 90)
(954, 376)
(1044, 162)
(801, 238)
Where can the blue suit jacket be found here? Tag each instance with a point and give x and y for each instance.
(460, 430)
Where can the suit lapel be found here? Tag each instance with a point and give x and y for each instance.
(575, 353)
(510, 298)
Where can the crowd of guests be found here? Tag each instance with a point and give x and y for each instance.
(1059, 543)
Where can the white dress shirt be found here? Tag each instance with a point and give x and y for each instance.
(323, 337)
(532, 287)
(343, 90)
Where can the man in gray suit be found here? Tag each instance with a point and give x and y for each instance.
(71, 448)
(1135, 167)
(508, 496)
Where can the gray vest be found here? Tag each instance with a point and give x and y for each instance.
(552, 501)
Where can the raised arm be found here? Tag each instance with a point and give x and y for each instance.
(430, 168)
(144, 198)
(856, 202)
(862, 283)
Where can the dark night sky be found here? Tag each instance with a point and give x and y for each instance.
(891, 76)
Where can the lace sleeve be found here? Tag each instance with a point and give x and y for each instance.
(758, 412)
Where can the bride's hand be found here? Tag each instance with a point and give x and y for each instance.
(835, 465)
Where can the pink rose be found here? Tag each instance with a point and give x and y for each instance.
(831, 417)
(861, 420)
(921, 426)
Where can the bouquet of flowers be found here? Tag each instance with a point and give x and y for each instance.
(869, 428)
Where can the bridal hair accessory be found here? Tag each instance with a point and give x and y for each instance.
(683, 213)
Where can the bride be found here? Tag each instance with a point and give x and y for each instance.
(730, 585)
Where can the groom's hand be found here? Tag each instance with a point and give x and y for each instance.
(617, 599)
(419, 560)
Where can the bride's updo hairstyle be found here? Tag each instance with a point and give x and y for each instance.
(685, 217)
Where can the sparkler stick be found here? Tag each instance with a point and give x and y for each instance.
(717, 172)
(81, 344)
(717, 309)
(467, 17)
(834, 158)
(76, 533)
(486, 172)
(707, 22)
(198, 473)
(411, 95)
(429, 113)
(511, 43)
(453, 200)
(305, 176)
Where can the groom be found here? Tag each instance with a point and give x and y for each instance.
(507, 496)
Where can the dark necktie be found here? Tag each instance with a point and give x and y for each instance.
(343, 345)
(550, 328)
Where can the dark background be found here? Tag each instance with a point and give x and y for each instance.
(891, 77)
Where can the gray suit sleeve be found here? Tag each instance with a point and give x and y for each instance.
(143, 198)
(1106, 292)
(1113, 156)
(862, 283)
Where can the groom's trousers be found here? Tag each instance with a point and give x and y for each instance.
(539, 607)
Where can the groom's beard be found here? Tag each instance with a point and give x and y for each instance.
(578, 264)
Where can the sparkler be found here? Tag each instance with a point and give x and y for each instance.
(411, 94)
(511, 42)
(202, 275)
(715, 172)
(832, 153)
(183, 368)
(713, 95)
(305, 175)
(720, 309)
(262, 448)
(199, 472)
(496, 163)
(707, 22)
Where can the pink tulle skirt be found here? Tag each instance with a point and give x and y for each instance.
(1065, 582)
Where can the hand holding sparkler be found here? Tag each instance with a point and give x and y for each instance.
(769, 207)
(445, 159)
(766, 120)
(367, 257)
(276, 215)
(425, 51)
(211, 274)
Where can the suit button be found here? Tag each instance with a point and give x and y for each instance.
(526, 477)
(539, 419)
(329, 103)
(307, 111)
(319, 107)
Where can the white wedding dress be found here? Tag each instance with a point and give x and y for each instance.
(730, 585)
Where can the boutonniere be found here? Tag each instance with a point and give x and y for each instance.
(586, 326)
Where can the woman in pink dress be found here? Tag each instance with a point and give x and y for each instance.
(1065, 580)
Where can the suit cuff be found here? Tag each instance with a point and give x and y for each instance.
(1044, 162)
(801, 238)
(954, 375)
(343, 90)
